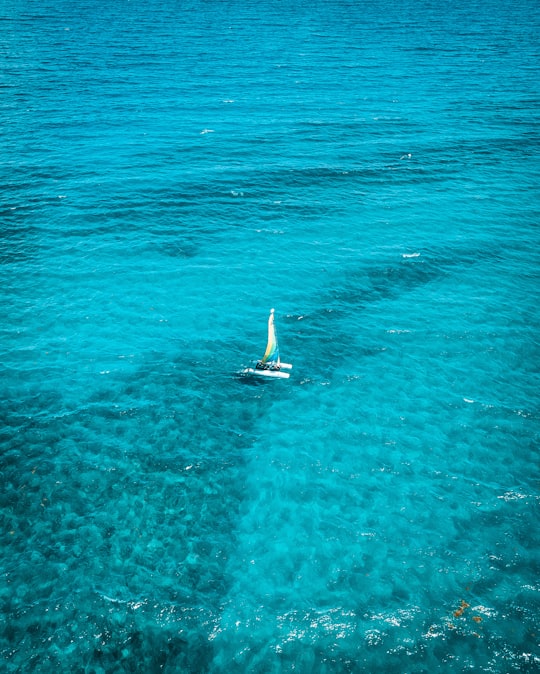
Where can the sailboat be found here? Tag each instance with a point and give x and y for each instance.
(270, 364)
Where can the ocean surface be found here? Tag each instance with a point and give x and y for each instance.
(170, 171)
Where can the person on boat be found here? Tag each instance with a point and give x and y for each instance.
(266, 366)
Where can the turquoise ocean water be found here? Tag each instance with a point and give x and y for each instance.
(169, 172)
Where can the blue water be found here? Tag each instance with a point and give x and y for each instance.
(172, 170)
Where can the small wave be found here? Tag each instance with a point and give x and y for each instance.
(512, 496)
(113, 600)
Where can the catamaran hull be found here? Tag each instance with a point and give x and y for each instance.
(275, 374)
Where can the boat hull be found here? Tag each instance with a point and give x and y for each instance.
(273, 374)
